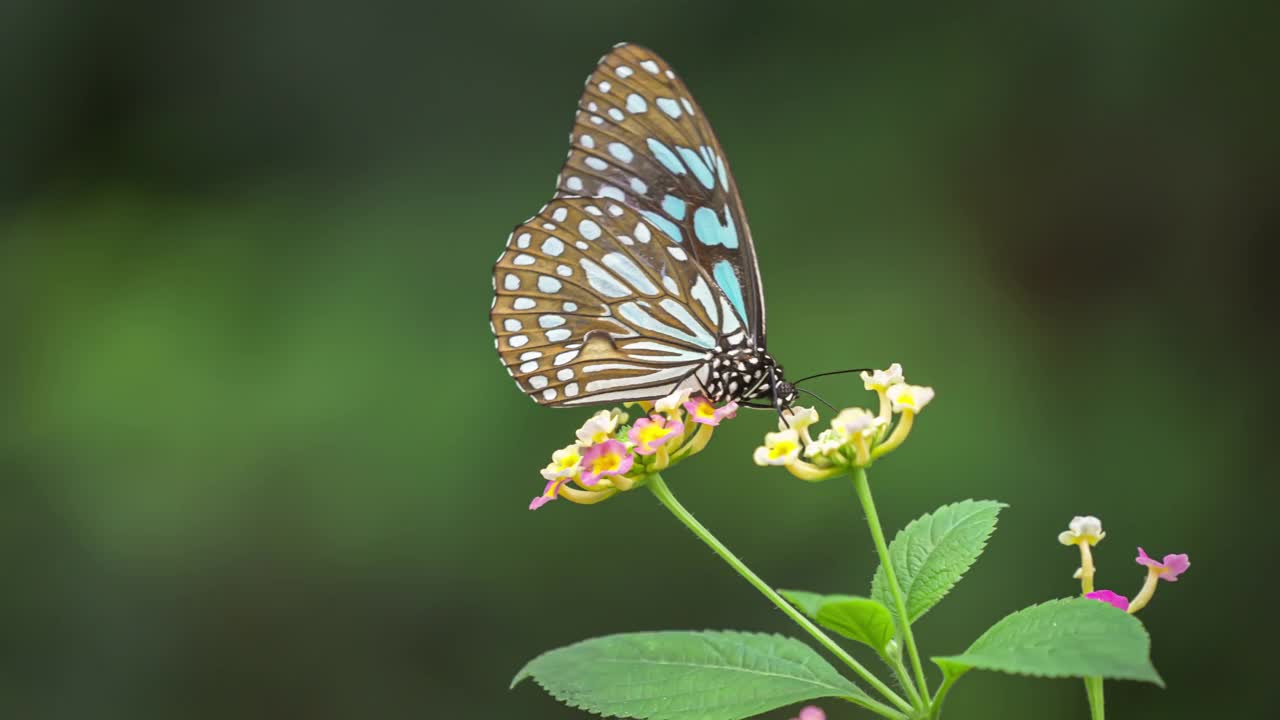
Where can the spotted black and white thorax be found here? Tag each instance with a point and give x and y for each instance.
(747, 373)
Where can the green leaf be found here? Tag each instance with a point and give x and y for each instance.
(686, 675)
(931, 554)
(809, 603)
(1075, 637)
(856, 618)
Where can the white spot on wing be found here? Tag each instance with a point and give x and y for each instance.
(548, 284)
(670, 107)
(621, 151)
(636, 104)
(589, 229)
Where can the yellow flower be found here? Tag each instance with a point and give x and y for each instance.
(780, 448)
(601, 426)
(909, 397)
(564, 463)
(672, 404)
(1082, 528)
(881, 380)
(798, 419)
(856, 421)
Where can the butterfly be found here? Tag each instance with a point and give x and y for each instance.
(639, 277)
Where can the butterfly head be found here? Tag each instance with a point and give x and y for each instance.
(784, 393)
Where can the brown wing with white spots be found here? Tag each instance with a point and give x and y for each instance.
(641, 139)
(594, 305)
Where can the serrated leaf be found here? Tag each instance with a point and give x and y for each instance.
(1075, 637)
(856, 618)
(686, 675)
(933, 552)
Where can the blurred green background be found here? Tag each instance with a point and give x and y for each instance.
(258, 457)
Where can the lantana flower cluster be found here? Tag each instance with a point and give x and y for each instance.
(856, 436)
(1085, 531)
(613, 455)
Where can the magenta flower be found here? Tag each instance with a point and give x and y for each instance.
(1110, 598)
(604, 460)
(1170, 568)
(651, 433)
(702, 411)
(811, 712)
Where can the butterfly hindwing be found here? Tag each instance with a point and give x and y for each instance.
(639, 138)
(595, 304)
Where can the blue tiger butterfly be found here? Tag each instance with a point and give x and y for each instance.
(639, 277)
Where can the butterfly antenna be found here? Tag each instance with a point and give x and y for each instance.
(818, 397)
(833, 372)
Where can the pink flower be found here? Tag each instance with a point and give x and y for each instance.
(1110, 598)
(811, 712)
(653, 432)
(702, 411)
(604, 460)
(1170, 568)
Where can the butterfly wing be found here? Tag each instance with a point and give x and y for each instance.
(594, 304)
(641, 139)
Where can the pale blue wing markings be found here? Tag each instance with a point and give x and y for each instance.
(673, 206)
(706, 225)
(699, 167)
(637, 316)
(666, 157)
(727, 279)
(663, 224)
(630, 272)
(603, 281)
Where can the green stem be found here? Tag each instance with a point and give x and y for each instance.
(1093, 688)
(663, 493)
(863, 489)
(904, 679)
(935, 711)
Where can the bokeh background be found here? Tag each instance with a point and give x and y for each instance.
(258, 458)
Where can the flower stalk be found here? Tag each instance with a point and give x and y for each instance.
(863, 489)
(663, 493)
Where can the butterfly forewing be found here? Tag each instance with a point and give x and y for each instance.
(595, 304)
(639, 138)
